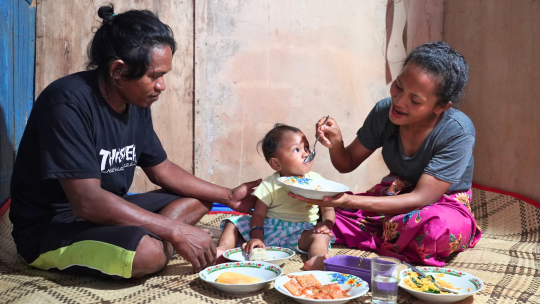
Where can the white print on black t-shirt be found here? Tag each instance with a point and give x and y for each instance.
(117, 157)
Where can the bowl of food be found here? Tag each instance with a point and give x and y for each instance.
(463, 283)
(321, 287)
(312, 188)
(241, 277)
(272, 254)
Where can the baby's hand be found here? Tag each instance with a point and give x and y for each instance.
(321, 228)
(249, 245)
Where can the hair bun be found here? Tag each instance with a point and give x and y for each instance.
(106, 12)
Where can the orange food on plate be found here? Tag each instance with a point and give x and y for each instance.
(236, 278)
(308, 280)
(293, 287)
(334, 291)
(308, 286)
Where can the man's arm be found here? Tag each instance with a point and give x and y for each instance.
(172, 177)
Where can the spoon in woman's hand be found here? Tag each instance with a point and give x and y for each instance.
(311, 155)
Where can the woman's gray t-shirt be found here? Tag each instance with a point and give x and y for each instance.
(446, 153)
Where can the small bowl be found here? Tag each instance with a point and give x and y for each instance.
(278, 255)
(355, 286)
(457, 278)
(267, 272)
(307, 187)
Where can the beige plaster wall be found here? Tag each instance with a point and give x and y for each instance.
(262, 62)
(63, 30)
(501, 42)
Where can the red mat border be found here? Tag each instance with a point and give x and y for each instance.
(512, 194)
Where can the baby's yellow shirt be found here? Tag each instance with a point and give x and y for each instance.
(283, 207)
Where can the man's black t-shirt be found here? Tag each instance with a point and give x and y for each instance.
(72, 132)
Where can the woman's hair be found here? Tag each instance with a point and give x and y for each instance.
(271, 141)
(130, 36)
(446, 65)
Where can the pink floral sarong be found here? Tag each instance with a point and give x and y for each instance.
(424, 236)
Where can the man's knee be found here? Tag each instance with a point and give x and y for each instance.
(200, 205)
(187, 210)
(149, 257)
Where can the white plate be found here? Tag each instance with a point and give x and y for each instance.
(456, 278)
(278, 255)
(306, 186)
(353, 284)
(267, 272)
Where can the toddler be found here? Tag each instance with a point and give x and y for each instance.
(278, 219)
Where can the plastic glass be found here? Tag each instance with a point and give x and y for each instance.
(384, 279)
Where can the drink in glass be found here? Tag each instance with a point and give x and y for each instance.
(384, 280)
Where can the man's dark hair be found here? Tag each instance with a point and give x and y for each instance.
(270, 143)
(130, 36)
(446, 65)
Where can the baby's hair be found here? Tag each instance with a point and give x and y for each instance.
(270, 143)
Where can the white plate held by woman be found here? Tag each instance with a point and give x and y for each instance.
(467, 283)
(355, 286)
(267, 272)
(312, 188)
(277, 255)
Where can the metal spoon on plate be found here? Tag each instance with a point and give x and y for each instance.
(423, 275)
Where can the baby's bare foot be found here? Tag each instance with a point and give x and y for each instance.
(316, 262)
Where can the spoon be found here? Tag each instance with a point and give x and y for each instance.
(311, 155)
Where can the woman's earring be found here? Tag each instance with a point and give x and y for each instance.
(116, 84)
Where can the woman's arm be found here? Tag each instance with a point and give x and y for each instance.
(257, 220)
(346, 160)
(428, 191)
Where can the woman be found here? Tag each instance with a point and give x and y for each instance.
(85, 136)
(420, 212)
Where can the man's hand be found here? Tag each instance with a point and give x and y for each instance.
(241, 199)
(254, 242)
(195, 245)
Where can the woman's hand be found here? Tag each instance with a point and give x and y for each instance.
(330, 134)
(241, 200)
(254, 242)
(339, 200)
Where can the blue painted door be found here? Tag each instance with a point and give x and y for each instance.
(17, 49)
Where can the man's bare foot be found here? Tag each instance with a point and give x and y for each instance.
(316, 262)
(220, 258)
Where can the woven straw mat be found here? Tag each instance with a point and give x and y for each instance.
(507, 259)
